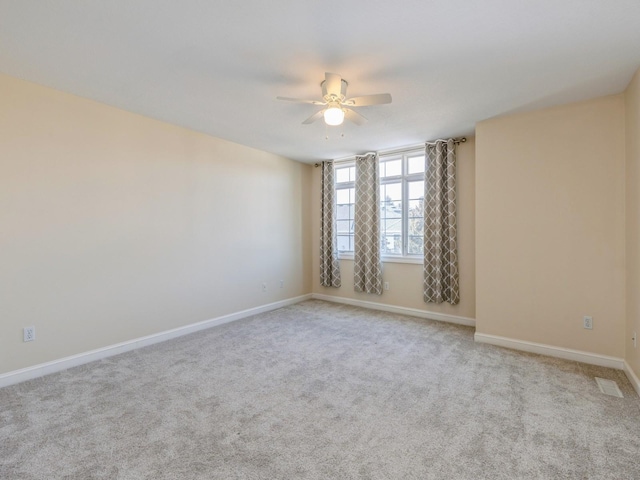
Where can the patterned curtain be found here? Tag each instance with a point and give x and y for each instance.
(367, 270)
(440, 225)
(329, 264)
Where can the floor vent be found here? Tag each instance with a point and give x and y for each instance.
(608, 387)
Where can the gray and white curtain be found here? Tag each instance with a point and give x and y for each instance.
(440, 224)
(367, 270)
(329, 264)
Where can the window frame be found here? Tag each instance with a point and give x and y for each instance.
(344, 186)
(404, 179)
(404, 154)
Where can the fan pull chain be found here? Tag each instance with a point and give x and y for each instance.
(326, 133)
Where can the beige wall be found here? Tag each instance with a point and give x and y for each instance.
(632, 98)
(550, 226)
(115, 226)
(405, 280)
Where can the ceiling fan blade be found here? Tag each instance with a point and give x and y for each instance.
(354, 116)
(313, 118)
(300, 100)
(332, 84)
(378, 99)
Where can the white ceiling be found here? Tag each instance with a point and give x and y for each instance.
(217, 66)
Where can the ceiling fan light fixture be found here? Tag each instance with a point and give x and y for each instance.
(334, 115)
(336, 105)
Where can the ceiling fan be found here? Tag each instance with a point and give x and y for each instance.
(337, 106)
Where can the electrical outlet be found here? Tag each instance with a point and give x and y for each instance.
(264, 287)
(588, 322)
(29, 334)
(281, 283)
(386, 285)
(634, 338)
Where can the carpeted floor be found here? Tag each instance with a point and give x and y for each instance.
(322, 391)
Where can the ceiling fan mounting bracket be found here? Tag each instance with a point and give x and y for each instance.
(345, 84)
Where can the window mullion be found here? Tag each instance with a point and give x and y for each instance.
(405, 207)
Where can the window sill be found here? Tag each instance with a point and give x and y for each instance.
(386, 259)
(392, 259)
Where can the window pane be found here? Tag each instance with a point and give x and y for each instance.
(391, 168)
(352, 174)
(391, 191)
(391, 226)
(416, 164)
(342, 196)
(343, 243)
(389, 209)
(342, 212)
(392, 244)
(343, 226)
(392, 211)
(415, 226)
(416, 208)
(342, 175)
(415, 245)
(384, 249)
(416, 190)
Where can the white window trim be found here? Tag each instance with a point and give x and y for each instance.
(345, 255)
(413, 259)
(344, 185)
(404, 178)
(404, 153)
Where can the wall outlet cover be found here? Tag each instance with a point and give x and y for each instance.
(29, 334)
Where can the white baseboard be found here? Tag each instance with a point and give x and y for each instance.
(552, 351)
(633, 378)
(413, 312)
(35, 371)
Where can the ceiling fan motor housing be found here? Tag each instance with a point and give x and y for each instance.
(334, 96)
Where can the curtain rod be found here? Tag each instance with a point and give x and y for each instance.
(457, 141)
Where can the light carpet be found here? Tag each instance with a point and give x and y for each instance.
(322, 391)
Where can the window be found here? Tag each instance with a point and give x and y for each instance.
(345, 205)
(401, 204)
